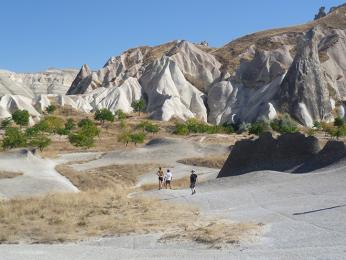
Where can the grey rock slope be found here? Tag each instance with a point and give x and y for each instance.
(288, 153)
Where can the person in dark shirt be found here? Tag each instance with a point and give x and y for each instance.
(193, 180)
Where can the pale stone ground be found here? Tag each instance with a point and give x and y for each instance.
(303, 215)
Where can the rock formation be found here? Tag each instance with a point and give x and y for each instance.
(51, 81)
(288, 153)
(300, 70)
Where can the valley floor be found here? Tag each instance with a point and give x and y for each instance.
(302, 216)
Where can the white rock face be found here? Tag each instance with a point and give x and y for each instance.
(238, 103)
(169, 94)
(52, 81)
(198, 67)
(11, 103)
(115, 98)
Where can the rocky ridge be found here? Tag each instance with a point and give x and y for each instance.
(298, 70)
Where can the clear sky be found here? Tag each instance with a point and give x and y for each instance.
(38, 34)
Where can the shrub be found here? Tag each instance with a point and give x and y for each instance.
(228, 128)
(120, 114)
(32, 131)
(85, 123)
(196, 126)
(70, 125)
(243, 127)
(259, 127)
(7, 122)
(50, 109)
(40, 142)
(63, 131)
(284, 124)
(148, 127)
(317, 125)
(103, 115)
(124, 137)
(13, 138)
(21, 117)
(138, 106)
(338, 122)
(137, 138)
(80, 139)
(181, 129)
(85, 136)
(122, 123)
(50, 124)
(310, 131)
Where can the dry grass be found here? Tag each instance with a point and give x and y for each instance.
(210, 161)
(68, 217)
(106, 177)
(9, 175)
(103, 208)
(215, 234)
(181, 183)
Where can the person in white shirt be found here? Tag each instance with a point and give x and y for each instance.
(168, 179)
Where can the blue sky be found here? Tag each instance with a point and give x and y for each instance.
(39, 34)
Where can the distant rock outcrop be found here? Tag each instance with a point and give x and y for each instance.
(321, 13)
(288, 153)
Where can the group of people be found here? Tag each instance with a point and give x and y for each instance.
(165, 179)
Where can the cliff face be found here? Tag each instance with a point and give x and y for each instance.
(288, 153)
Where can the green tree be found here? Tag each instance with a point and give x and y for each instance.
(138, 106)
(137, 138)
(50, 109)
(7, 122)
(21, 117)
(13, 138)
(50, 124)
(81, 139)
(148, 127)
(85, 136)
(103, 115)
(40, 142)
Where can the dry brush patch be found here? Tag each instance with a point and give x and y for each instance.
(215, 161)
(103, 208)
(215, 234)
(9, 175)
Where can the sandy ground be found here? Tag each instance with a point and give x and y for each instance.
(303, 215)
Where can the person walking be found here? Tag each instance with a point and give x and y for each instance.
(168, 179)
(160, 174)
(193, 180)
